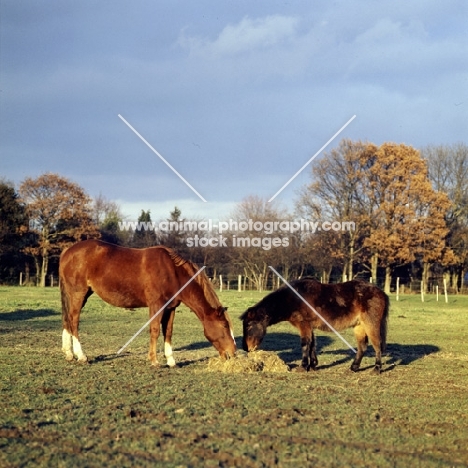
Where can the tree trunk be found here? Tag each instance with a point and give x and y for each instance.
(388, 279)
(345, 272)
(37, 266)
(374, 264)
(44, 266)
(425, 275)
(27, 273)
(351, 262)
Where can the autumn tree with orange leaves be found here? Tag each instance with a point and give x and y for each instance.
(386, 191)
(59, 212)
(407, 216)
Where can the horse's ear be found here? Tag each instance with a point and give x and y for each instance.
(247, 314)
(222, 311)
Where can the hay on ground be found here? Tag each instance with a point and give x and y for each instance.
(255, 361)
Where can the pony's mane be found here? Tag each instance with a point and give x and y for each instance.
(201, 278)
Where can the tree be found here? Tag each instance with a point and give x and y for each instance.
(255, 259)
(448, 171)
(60, 212)
(406, 219)
(335, 194)
(12, 221)
(107, 215)
(386, 192)
(144, 237)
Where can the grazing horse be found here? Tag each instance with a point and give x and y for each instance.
(352, 304)
(132, 278)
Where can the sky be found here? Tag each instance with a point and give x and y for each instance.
(236, 95)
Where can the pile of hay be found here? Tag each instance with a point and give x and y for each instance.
(255, 361)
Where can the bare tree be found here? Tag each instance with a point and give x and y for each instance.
(448, 171)
(335, 194)
(252, 251)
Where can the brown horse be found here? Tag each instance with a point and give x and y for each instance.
(132, 278)
(352, 304)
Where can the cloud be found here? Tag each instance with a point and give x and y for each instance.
(247, 35)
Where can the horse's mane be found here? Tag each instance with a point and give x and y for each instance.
(201, 278)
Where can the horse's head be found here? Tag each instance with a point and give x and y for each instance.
(254, 328)
(218, 330)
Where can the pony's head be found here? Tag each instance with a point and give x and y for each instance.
(218, 330)
(255, 323)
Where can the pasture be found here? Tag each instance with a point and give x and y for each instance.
(120, 411)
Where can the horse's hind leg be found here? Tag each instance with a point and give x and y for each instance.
(71, 308)
(374, 336)
(77, 303)
(361, 338)
(167, 323)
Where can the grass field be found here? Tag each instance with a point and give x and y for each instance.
(119, 411)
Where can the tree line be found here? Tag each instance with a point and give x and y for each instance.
(408, 207)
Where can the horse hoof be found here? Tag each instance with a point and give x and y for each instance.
(377, 370)
(354, 368)
(69, 357)
(83, 359)
(155, 364)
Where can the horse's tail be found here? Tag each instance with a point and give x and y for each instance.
(384, 324)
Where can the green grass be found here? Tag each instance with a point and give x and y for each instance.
(119, 411)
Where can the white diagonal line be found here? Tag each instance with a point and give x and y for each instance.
(161, 157)
(161, 309)
(310, 307)
(312, 158)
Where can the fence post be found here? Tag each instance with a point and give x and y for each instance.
(220, 282)
(445, 290)
(398, 288)
(422, 291)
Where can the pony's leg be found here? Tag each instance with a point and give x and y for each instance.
(361, 338)
(374, 336)
(313, 353)
(167, 324)
(155, 327)
(307, 345)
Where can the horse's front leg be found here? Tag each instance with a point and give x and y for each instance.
(167, 324)
(155, 327)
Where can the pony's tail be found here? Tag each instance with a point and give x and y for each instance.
(65, 306)
(384, 325)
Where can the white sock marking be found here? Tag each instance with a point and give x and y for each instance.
(77, 349)
(168, 353)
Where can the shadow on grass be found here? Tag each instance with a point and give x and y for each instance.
(26, 314)
(403, 355)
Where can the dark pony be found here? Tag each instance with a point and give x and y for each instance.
(352, 304)
(132, 278)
